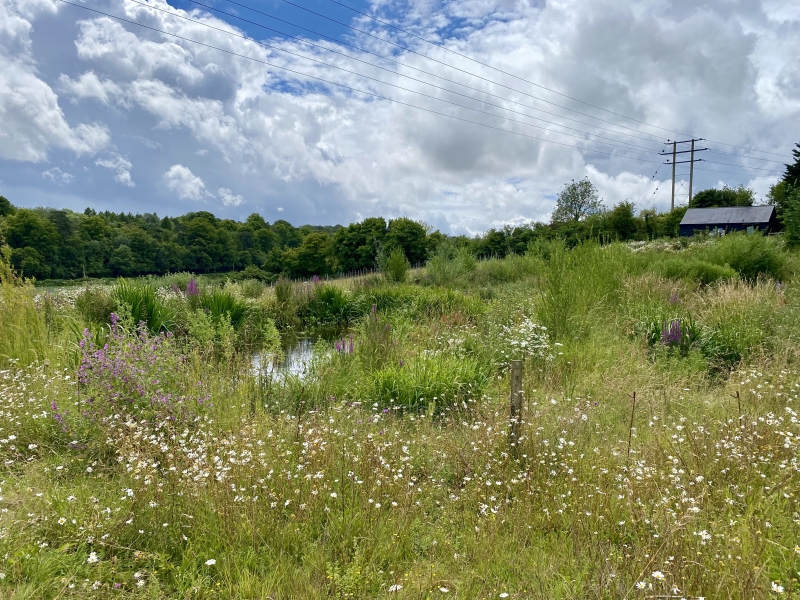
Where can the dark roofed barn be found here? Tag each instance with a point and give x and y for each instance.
(729, 218)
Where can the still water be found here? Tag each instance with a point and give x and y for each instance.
(297, 355)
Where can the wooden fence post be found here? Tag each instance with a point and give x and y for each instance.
(516, 405)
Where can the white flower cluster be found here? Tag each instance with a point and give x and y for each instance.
(526, 339)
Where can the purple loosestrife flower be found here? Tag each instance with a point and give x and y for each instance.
(671, 334)
(192, 289)
(674, 298)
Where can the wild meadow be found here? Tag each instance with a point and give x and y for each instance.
(143, 454)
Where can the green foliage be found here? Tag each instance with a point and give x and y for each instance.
(95, 304)
(429, 382)
(356, 246)
(576, 201)
(310, 258)
(727, 196)
(694, 270)
(143, 305)
(792, 174)
(413, 301)
(751, 256)
(252, 288)
(621, 221)
(408, 236)
(449, 263)
(791, 217)
(329, 306)
(285, 308)
(23, 330)
(395, 266)
(220, 303)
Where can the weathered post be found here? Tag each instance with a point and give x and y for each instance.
(516, 405)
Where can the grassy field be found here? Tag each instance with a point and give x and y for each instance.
(142, 456)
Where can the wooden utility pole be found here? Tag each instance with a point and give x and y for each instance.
(691, 161)
(516, 404)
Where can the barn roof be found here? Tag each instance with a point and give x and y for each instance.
(729, 215)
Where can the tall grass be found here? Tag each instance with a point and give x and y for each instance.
(140, 301)
(23, 330)
(385, 471)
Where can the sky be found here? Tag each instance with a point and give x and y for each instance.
(466, 115)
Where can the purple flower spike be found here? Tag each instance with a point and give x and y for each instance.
(671, 334)
(192, 289)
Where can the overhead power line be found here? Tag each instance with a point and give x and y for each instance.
(443, 47)
(475, 60)
(407, 49)
(627, 146)
(780, 162)
(406, 65)
(739, 166)
(350, 88)
(749, 149)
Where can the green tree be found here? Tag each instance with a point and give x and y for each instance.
(791, 217)
(28, 228)
(727, 196)
(494, 244)
(6, 208)
(576, 201)
(621, 221)
(30, 263)
(356, 246)
(310, 258)
(792, 173)
(123, 262)
(409, 236)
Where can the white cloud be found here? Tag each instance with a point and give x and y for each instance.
(32, 121)
(229, 198)
(89, 85)
(56, 175)
(187, 185)
(121, 167)
(720, 69)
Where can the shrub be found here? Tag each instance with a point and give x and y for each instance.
(395, 266)
(329, 306)
(95, 305)
(749, 255)
(450, 263)
(252, 288)
(283, 291)
(140, 301)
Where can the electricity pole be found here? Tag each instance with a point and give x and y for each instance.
(674, 152)
(691, 162)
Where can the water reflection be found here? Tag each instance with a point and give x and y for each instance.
(297, 356)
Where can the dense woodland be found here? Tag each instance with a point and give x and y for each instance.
(52, 243)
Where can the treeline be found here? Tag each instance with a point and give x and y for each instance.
(62, 244)
(51, 243)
